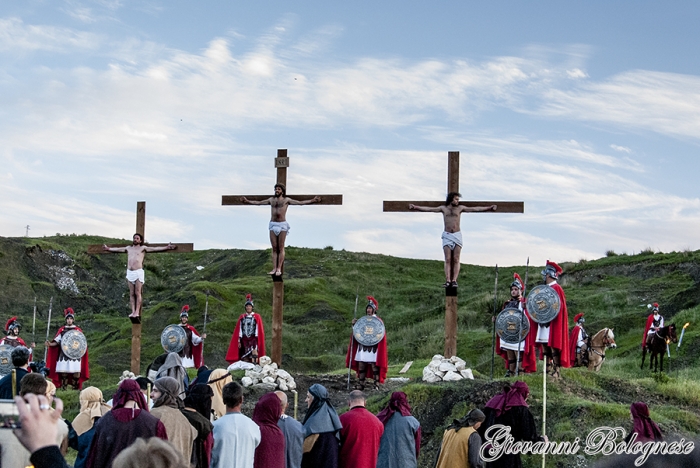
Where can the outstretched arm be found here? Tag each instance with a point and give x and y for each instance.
(473, 209)
(315, 199)
(113, 249)
(161, 249)
(253, 202)
(427, 209)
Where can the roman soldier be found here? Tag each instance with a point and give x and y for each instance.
(553, 337)
(191, 354)
(248, 339)
(368, 361)
(578, 342)
(12, 329)
(654, 322)
(508, 351)
(61, 368)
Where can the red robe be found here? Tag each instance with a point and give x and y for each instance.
(559, 330)
(359, 438)
(650, 321)
(196, 349)
(529, 362)
(232, 354)
(52, 358)
(382, 357)
(18, 342)
(573, 339)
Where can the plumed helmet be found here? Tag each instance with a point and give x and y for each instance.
(655, 307)
(12, 323)
(517, 282)
(185, 312)
(249, 300)
(372, 302)
(579, 318)
(551, 269)
(68, 312)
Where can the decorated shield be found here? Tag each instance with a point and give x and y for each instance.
(512, 325)
(173, 339)
(368, 330)
(543, 303)
(6, 359)
(73, 344)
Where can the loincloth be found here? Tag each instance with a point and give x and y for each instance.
(133, 275)
(452, 239)
(278, 227)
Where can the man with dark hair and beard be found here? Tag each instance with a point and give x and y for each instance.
(135, 278)
(279, 227)
(452, 236)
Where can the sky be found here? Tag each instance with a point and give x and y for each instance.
(588, 112)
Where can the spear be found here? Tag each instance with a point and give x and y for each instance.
(48, 327)
(204, 329)
(34, 323)
(354, 316)
(493, 337)
(544, 404)
(520, 328)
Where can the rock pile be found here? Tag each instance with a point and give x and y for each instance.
(268, 377)
(446, 369)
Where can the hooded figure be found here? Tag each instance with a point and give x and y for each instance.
(321, 430)
(217, 380)
(400, 444)
(646, 429)
(82, 430)
(461, 443)
(173, 368)
(271, 451)
(197, 410)
(166, 407)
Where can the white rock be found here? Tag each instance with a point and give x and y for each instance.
(291, 385)
(282, 384)
(438, 357)
(460, 366)
(268, 379)
(253, 375)
(447, 367)
(240, 365)
(467, 374)
(455, 360)
(267, 387)
(265, 360)
(274, 365)
(429, 375)
(257, 368)
(399, 379)
(283, 374)
(439, 373)
(452, 376)
(434, 365)
(256, 381)
(267, 369)
(246, 381)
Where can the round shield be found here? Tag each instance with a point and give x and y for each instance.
(173, 338)
(368, 330)
(6, 359)
(543, 303)
(510, 324)
(73, 344)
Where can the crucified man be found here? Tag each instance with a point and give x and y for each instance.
(279, 227)
(135, 278)
(452, 237)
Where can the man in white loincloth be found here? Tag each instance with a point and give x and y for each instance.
(278, 224)
(134, 271)
(452, 237)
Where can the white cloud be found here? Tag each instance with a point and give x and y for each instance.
(15, 35)
(622, 149)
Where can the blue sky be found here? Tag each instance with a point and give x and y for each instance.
(587, 112)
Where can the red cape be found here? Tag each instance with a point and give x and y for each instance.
(232, 354)
(573, 339)
(559, 330)
(382, 357)
(359, 439)
(196, 349)
(650, 320)
(52, 358)
(529, 363)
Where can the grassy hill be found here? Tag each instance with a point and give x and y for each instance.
(320, 291)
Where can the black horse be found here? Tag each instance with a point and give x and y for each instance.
(658, 345)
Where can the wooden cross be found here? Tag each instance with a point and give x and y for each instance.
(451, 292)
(136, 321)
(281, 163)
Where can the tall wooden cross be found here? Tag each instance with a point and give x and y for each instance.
(451, 292)
(281, 163)
(136, 321)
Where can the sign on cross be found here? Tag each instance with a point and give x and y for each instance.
(452, 209)
(278, 231)
(136, 299)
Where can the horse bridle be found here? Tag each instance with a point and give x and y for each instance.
(606, 342)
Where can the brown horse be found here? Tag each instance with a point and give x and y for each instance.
(598, 343)
(658, 346)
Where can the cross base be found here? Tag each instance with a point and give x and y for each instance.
(277, 278)
(135, 319)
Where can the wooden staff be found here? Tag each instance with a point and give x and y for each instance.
(48, 327)
(296, 402)
(493, 337)
(204, 329)
(34, 323)
(520, 327)
(354, 316)
(544, 405)
(14, 383)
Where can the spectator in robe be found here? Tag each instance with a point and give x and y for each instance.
(61, 425)
(128, 420)
(321, 430)
(173, 368)
(197, 410)
(646, 429)
(360, 435)
(400, 444)
(461, 443)
(166, 407)
(270, 453)
(218, 379)
(235, 435)
(38, 433)
(82, 430)
(151, 453)
(203, 374)
(293, 434)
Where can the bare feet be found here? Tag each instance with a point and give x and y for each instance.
(272, 272)
(134, 314)
(278, 273)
